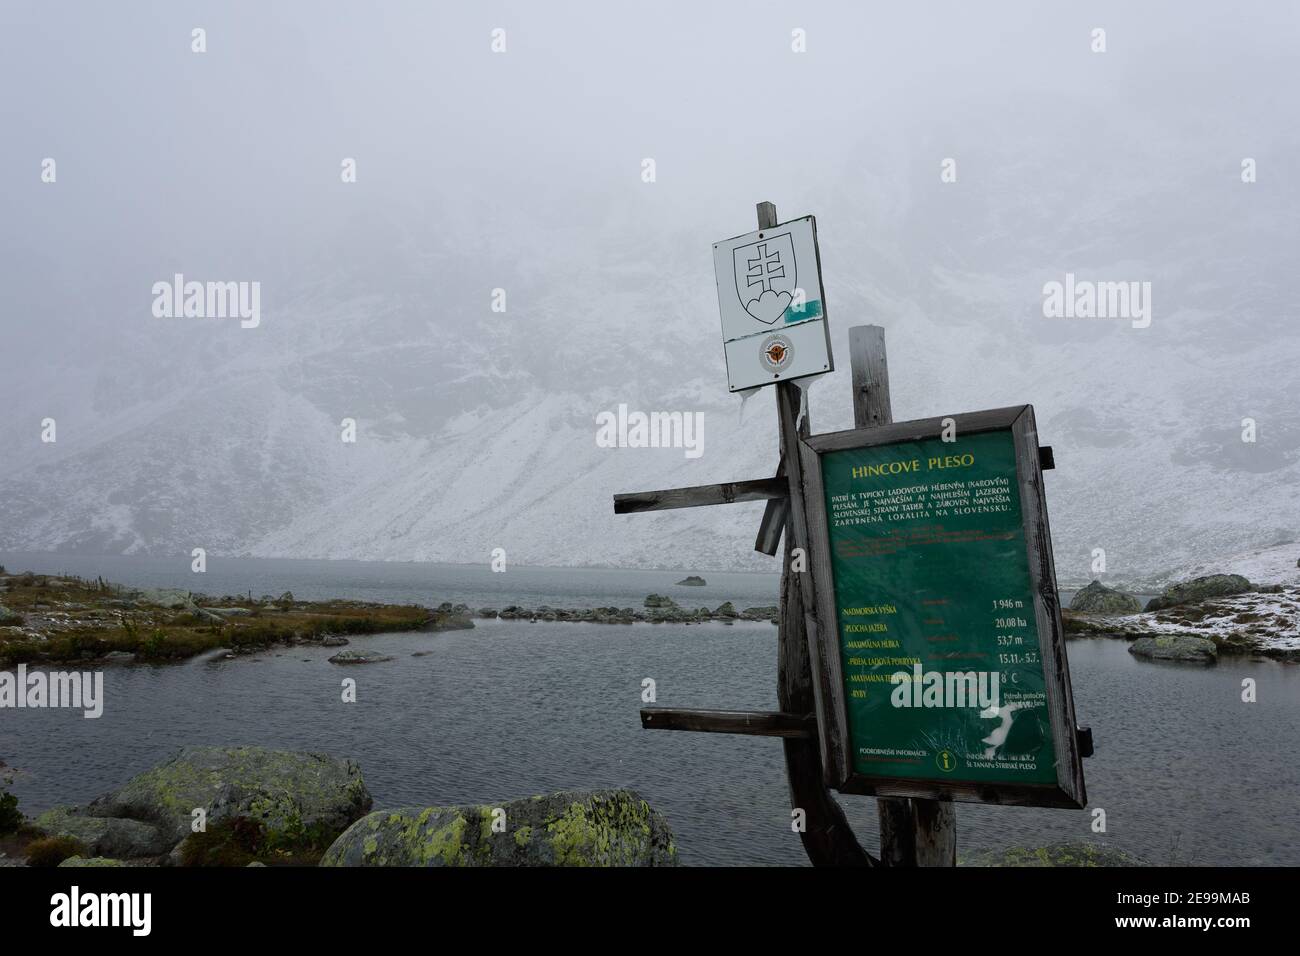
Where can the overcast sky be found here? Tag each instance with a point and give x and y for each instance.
(523, 169)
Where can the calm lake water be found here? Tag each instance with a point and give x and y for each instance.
(1185, 771)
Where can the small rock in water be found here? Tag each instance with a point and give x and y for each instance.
(333, 640)
(692, 581)
(358, 657)
(1176, 647)
(658, 600)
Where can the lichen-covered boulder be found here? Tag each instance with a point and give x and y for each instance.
(659, 600)
(1200, 589)
(298, 799)
(91, 861)
(1054, 854)
(105, 836)
(570, 828)
(726, 609)
(1096, 598)
(1176, 647)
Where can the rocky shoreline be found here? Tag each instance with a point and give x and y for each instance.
(52, 619)
(64, 619)
(1195, 621)
(251, 806)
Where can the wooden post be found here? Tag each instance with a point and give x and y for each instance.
(912, 832)
(827, 837)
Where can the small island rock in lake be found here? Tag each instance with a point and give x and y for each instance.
(1096, 598)
(659, 600)
(1176, 647)
(571, 828)
(692, 581)
(359, 657)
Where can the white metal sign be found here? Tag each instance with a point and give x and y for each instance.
(772, 304)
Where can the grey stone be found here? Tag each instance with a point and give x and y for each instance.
(1096, 598)
(359, 657)
(105, 836)
(1200, 589)
(297, 797)
(659, 600)
(1176, 647)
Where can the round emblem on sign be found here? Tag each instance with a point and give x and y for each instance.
(776, 353)
(946, 761)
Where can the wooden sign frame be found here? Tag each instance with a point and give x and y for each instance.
(831, 701)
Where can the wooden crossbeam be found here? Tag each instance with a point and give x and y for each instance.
(759, 723)
(773, 523)
(762, 489)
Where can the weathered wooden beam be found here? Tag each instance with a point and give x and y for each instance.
(758, 723)
(773, 523)
(827, 838)
(762, 489)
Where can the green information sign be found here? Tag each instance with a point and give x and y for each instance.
(946, 669)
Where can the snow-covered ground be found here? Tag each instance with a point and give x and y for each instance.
(1264, 622)
(1275, 565)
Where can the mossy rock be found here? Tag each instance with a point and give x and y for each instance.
(300, 799)
(1096, 598)
(91, 861)
(105, 836)
(659, 600)
(1176, 647)
(1200, 589)
(1054, 854)
(569, 828)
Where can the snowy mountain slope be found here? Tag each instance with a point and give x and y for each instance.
(477, 428)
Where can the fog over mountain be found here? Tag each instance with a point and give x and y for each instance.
(522, 171)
